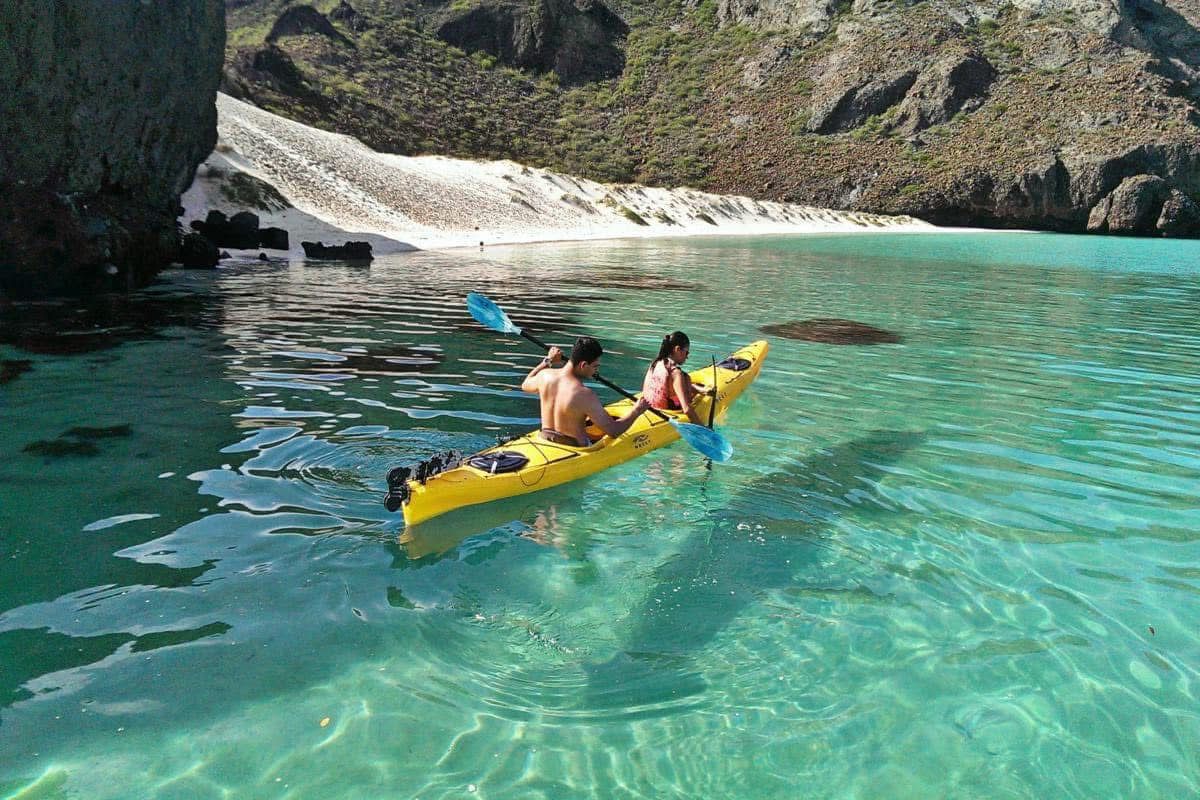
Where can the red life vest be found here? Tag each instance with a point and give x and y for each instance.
(657, 388)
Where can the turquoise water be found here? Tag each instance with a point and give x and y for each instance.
(965, 565)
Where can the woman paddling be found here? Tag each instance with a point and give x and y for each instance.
(666, 385)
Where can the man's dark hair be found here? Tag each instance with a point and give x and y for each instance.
(586, 349)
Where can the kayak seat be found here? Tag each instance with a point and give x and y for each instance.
(734, 364)
(498, 462)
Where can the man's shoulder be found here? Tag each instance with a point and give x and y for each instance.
(582, 394)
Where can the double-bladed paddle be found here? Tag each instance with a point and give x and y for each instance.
(707, 441)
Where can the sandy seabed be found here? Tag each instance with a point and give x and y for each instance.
(341, 190)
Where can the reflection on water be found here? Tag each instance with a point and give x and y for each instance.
(962, 562)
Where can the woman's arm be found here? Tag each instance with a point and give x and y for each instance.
(681, 384)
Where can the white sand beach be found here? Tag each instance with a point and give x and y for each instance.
(340, 190)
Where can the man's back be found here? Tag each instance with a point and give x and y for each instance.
(566, 402)
(568, 405)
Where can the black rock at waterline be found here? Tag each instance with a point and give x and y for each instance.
(273, 238)
(106, 110)
(11, 369)
(240, 230)
(832, 331)
(350, 251)
(197, 252)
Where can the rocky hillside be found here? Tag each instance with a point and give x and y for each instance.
(106, 110)
(1065, 115)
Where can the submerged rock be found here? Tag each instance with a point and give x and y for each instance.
(832, 331)
(59, 448)
(110, 432)
(100, 322)
(79, 441)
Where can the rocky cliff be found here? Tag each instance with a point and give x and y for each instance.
(107, 109)
(1070, 115)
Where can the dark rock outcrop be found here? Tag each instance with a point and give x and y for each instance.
(350, 251)
(952, 84)
(240, 230)
(274, 69)
(11, 369)
(347, 15)
(1180, 216)
(299, 20)
(848, 109)
(273, 238)
(1133, 207)
(197, 252)
(580, 41)
(1177, 164)
(1127, 193)
(106, 111)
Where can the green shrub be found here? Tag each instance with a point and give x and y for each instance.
(631, 215)
(247, 191)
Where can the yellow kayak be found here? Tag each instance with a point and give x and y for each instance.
(529, 463)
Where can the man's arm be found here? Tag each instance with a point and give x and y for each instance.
(530, 384)
(605, 422)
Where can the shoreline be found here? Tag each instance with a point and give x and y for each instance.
(340, 190)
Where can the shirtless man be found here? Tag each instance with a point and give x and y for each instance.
(568, 405)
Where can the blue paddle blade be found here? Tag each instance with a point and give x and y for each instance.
(490, 315)
(706, 440)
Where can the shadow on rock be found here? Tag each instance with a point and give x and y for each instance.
(832, 331)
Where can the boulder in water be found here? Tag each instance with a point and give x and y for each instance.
(350, 251)
(197, 252)
(240, 230)
(832, 331)
(273, 238)
(11, 369)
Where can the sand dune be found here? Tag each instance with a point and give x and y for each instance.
(340, 190)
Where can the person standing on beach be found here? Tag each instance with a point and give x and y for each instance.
(668, 387)
(568, 405)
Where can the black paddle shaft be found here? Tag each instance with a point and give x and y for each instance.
(603, 380)
(712, 408)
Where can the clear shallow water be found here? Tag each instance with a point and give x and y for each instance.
(963, 565)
